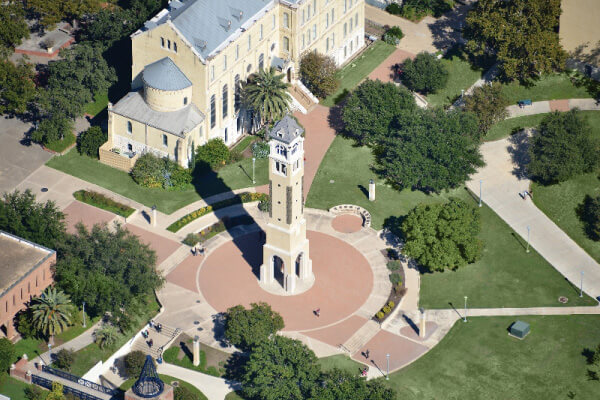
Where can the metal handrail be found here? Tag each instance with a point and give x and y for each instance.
(47, 383)
(80, 381)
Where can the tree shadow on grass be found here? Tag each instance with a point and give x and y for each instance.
(519, 152)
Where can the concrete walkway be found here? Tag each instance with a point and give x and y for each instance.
(213, 388)
(541, 107)
(78, 343)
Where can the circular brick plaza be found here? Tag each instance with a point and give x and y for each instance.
(347, 223)
(343, 281)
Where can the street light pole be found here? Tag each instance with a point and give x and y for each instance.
(387, 376)
(84, 314)
(253, 163)
(528, 233)
(581, 286)
(480, 181)
(465, 319)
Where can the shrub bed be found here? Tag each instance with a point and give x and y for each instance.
(101, 201)
(398, 289)
(224, 224)
(154, 172)
(245, 197)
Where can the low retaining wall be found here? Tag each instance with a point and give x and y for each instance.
(353, 209)
(115, 160)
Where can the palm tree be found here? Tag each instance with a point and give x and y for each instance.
(266, 94)
(106, 336)
(51, 312)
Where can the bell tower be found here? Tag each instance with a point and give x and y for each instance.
(286, 259)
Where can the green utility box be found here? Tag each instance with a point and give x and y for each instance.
(519, 329)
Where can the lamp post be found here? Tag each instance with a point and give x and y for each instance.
(462, 93)
(465, 319)
(528, 234)
(480, 181)
(49, 353)
(581, 286)
(84, 314)
(387, 376)
(253, 164)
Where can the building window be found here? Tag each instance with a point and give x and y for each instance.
(236, 91)
(286, 43)
(286, 20)
(162, 42)
(351, 22)
(213, 112)
(212, 72)
(303, 42)
(165, 140)
(175, 47)
(314, 7)
(303, 17)
(129, 127)
(224, 62)
(327, 44)
(273, 47)
(315, 32)
(249, 68)
(169, 44)
(261, 61)
(249, 42)
(281, 150)
(345, 51)
(356, 20)
(261, 33)
(332, 15)
(225, 101)
(308, 12)
(333, 39)
(273, 22)
(14, 300)
(185, 101)
(237, 51)
(345, 5)
(21, 293)
(327, 21)
(345, 29)
(281, 167)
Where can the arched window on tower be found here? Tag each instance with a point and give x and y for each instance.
(281, 150)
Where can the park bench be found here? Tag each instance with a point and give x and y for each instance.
(523, 103)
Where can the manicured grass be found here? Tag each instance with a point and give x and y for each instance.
(59, 146)
(349, 167)
(100, 102)
(461, 76)
(244, 143)
(13, 388)
(509, 126)
(233, 396)
(342, 362)
(478, 360)
(99, 200)
(506, 276)
(168, 380)
(233, 176)
(548, 87)
(358, 69)
(172, 356)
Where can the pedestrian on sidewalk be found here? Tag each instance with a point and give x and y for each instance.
(150, 343)
(318, 312)
(367, 354)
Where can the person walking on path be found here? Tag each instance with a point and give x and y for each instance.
(318, 312)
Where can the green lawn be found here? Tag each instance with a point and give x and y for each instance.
(358, 69)
(507, 127)
(100, 102)
(244, 143)
(461, 76)
(210, 358)
(233, 176)
(13, 388)
(548, 87)
(506, 276)
(478, 360)
(342, 362)
(168, 380)
(61, 145)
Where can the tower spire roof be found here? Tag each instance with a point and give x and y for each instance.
(148, 384)
(286, 130)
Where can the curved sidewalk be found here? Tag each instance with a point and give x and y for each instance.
(213, 388)
(546, 106)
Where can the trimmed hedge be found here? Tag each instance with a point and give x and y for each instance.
(245, 197)
(101, 201)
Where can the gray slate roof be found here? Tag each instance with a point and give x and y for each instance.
(178, 122)
(165, 75)
(286, 130)
(206, 24)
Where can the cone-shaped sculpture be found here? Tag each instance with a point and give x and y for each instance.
(148, 384)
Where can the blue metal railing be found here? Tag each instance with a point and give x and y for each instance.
(47, 383)
(78, 380)
(377, 3)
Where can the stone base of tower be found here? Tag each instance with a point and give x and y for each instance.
(167, 394)
(284, 273)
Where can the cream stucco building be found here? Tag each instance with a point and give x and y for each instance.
(189, 60)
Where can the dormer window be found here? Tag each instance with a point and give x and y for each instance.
(280, 133)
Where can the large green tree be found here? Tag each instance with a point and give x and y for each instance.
(50, 12)
(563, 146)
(247, 328)
(13, 27)
(7, 353)
(442, 236)
(430, 150)
(425, 74)
(341, 385)
(489, 103)
(590, 216)
(51, 312)
(17, 88)
(109, 269)
(280, 368)
(266, 94)
(319, 73)
(41, 223)
(521, 35)
(371, 108)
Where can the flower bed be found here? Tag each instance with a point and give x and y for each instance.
(224, 224)
(101, 201)
(398, 289)
(245, 197)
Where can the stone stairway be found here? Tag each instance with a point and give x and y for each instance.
(161, 340)
(361, 337)
(302, 98)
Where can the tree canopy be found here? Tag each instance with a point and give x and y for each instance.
(590, 216)
(51, 312)
(489, 103)
(341, 385)
(430, 150)
(109, 269)
(280, 368)
(562, 147)
(521, 35)
(247, 328)
(266, 94)
(17, 88)
(13, 27)
(442, 236)
(371, 108)
(41, 223)
(7, 353)
(52, 12)
(425, 74)
(319, 74)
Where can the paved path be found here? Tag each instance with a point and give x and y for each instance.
(213, 388)
(540, 107)
(78, 343)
